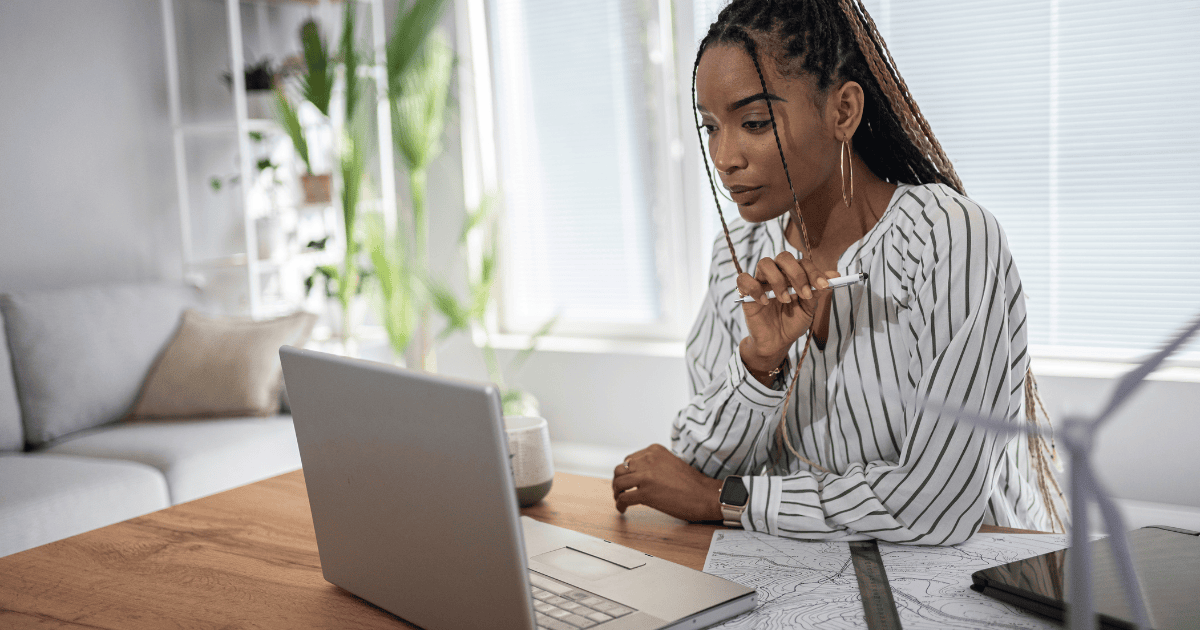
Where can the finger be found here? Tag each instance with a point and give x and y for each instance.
(796, 274)
(625, 482)
(816, 277)
(747, 285)
(767, 271)
(623, 468)
(627, 499)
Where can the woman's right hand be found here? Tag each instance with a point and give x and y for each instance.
(776, 324)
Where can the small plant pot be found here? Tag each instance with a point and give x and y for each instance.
(260, 104)
(317, 188)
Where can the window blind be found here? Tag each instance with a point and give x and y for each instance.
(575, 161)
(1075, 122)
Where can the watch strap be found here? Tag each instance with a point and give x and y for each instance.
(731, 513)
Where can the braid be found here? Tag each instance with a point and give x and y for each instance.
(884, 68)
(711, 183)
(752, 49)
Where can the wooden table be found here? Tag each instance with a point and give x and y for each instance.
(247, 558)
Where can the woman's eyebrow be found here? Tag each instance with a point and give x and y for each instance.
(736, 105)
(761, 96)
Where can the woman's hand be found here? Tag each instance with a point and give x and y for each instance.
(775, 325)
(656, 478)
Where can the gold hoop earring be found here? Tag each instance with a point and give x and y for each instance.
(843, 157)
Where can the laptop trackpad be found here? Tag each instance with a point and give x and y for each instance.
(580, 564)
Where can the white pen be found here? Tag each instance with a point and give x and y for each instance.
(841, 281)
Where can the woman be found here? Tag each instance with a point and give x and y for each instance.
(810, 398)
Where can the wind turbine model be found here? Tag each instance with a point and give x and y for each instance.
(1077, 435)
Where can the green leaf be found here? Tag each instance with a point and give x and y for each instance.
(317, 83)
(509, 397)
(397, 303)
(291, 124)
(350, 61)
(419, 112)
(412, 27)
(477, 216)
(523, 356)
(443, 301)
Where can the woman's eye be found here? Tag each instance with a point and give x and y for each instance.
(709, 129)
(755, 125)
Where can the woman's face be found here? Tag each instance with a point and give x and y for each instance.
(733, 110)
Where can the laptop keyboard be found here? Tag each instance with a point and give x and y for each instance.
(562, 607)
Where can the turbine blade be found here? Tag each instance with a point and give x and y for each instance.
(985, 421)
(1134, 378)
(1135, 595)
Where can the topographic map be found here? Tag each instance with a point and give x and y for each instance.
(812, 584)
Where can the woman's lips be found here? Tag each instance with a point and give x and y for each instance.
(745, 195)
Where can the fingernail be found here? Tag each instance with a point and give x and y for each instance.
(822, 282)
(785, 298)
(763, 300)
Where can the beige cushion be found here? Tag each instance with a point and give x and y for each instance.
(217, 367)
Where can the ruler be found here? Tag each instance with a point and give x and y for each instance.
(873, 584)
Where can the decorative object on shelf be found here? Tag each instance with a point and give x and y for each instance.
(316, 86)
(318, 189)
(260, 79)
(1078, 435)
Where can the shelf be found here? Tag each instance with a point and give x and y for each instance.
(224, 262)
(317, 256)
(264, 125)
(271, 268)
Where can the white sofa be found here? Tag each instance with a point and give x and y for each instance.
(72, 362)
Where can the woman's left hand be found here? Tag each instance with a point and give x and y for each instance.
(656, 478)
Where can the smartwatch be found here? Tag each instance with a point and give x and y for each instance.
(734, 498)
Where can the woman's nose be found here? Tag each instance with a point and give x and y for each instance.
(726, 155)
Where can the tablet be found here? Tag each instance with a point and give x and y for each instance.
(1167, 561)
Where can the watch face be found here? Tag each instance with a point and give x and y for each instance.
(733, 492)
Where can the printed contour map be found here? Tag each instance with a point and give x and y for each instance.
(812, 584)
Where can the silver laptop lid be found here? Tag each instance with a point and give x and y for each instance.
(411, 494)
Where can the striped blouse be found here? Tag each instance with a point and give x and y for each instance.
(942, 316)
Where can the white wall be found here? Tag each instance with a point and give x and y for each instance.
(85, 144)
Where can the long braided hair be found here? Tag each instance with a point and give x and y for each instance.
(834, 41)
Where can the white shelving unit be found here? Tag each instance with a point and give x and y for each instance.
(284, 267)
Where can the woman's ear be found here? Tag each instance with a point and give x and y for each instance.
(845, 109)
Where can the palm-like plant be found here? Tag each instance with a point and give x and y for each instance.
(418, 121)
(469, 314)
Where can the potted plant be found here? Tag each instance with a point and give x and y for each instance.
(316, 86)
(259, 80)
(343, 282)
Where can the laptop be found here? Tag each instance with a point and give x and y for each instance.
(415, 511)
(1167, 561)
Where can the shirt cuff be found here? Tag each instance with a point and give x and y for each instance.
(762, 510)
(753, 392)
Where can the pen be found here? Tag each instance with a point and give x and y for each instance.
(842, 281)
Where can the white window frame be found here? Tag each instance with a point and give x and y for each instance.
(681, 259)
(683, 245)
